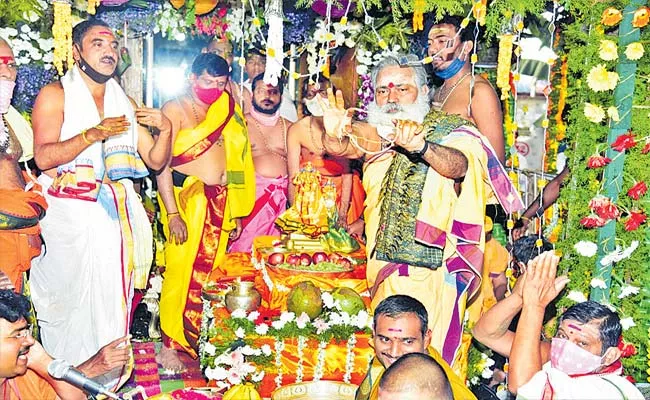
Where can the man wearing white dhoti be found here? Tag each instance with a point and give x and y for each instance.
(89, 144)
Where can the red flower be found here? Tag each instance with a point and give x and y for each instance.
(627, 349)
(638, 190)
(636, 219)
(604, 207)
(646, 148)
(624, 142)
(597, 161)
(592, 221)
(630, 379)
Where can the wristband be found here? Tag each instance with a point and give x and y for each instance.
(422, 152)
(83, 136)
(172, 214)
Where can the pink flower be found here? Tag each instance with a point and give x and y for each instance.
(637, 218)
(592, 221)
(624, 142)
(597, 161)
(638, 190)
(646, 148)
(604, 207)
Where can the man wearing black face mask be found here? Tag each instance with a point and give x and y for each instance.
(207, 186)
(90, 144)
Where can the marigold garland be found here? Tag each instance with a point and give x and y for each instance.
(62, 34)
(92, 6)
(503, 64)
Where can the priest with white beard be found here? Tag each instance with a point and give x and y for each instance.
(427, 177)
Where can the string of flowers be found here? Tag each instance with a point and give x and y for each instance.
(62, 34)
(279, 348)
(320, 361)
(301, 347)
(349, 358)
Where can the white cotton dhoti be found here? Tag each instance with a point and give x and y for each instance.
(82, 284)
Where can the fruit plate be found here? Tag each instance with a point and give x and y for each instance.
(324, 267)
(316, 390)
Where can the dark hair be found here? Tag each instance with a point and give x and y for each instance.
(254, 51)
(211, 63)
(321, 79)
(260, 77)
(610, 324)
(13, 306)
(396, 305)
(417, 371)
(467, 35)
(79, 30)
(524, 249)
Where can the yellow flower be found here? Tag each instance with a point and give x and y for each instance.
(613, 114)
(634, 51)
(594, 113)
(608, 50)
(600, 80)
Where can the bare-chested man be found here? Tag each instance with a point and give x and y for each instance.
(451, 54)
(89, 143)
(20, 209)
(208, 184)
(305, 144)
(268, 135)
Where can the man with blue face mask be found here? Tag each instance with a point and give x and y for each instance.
(581, 362)
(451, 51)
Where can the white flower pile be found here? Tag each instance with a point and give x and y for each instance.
(28, 45)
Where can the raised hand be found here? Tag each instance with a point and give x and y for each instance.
(336, 119)
(541, 285)
(408, 135)
(113, 355)
(153, 117)
(111, 126)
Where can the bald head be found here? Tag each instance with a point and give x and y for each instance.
(415, 376)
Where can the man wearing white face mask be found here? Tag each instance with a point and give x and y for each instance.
(581, 362)
(19, 237)
(305, 144)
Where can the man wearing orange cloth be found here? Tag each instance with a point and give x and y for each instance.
(206, 188)
(305, 144)
(90, 144)
(21, 206)
(268, 135)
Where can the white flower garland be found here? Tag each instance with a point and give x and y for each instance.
(171, 23)
(302, 342)
(349, 358)
(261, 266)
(279, 347)
(320, 364)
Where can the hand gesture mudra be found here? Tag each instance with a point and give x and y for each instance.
(337, 120)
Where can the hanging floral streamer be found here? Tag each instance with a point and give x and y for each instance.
(62, 34)
(319, 370)
(302, 343)
(279, 347)
(418, 15)
(349, 358)
(504, 63)
(274, 42)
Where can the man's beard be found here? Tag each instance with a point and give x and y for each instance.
(382, 116)
(270, 111)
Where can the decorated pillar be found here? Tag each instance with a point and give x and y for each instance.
(613, 178)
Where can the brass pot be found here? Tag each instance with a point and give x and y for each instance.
(244, 296)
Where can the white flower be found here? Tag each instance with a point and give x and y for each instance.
(262, 329)
(627, 323)
(487, 373)
(362, 69)
(320, 325)
(216, 373)
(240, 333)
(613, 114)
(287, 317)
(577, 296)
(238, 313)
(249, 351)
(302, 321)
(258, 376)
(363, 319)
(253, 316)
(328, 300)
(209, 348)
(233, 377)
(629, 250)
(598, 283)
(278, 324)
(586, 248)
(335, 319)
(266, 349)
(25, 28)
(628, 290)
